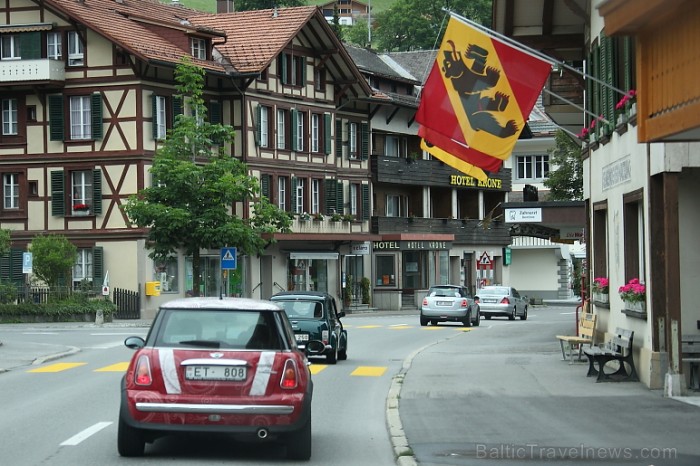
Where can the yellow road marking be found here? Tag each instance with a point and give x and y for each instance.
(315, 369)
(118, 367)
(369, 326)
(400, 327)
(433, 327)
(58, 367)
(369, 371)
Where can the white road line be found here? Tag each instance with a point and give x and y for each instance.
(79, 437)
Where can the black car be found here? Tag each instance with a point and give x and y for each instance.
(316, 323)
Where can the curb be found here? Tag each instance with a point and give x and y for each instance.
(402, 450)
(51, 357)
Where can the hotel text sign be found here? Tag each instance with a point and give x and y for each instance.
(471, 182)
(410, 245)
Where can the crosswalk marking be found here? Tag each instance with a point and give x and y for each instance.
(315, 368)
(369, 371)
(58, 367)
(118, 367)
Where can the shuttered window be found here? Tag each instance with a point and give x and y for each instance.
(11, 267)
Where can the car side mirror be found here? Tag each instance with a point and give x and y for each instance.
(341, 314)
(134, 342)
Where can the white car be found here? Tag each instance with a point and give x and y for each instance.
(502, 300)
(449, 303)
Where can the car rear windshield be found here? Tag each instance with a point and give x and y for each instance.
(301, 309)
(498, 291)
(228, 329)
(444, 291)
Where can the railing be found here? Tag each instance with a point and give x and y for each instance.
(128, 304)
(465, 231)
(43, 69)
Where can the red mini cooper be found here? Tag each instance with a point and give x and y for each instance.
(214, 365)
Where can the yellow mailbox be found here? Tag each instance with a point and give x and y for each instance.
(152, 288)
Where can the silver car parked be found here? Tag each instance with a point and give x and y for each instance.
(502, 300)
(449, 303)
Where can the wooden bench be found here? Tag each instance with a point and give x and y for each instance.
(618, 349)
(586, 332)
(690, 347)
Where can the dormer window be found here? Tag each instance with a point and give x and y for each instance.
(199, 48)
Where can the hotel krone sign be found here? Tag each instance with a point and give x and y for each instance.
(467, 181)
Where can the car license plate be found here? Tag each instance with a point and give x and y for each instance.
(444, 303)
(302, 337)
(232, 373)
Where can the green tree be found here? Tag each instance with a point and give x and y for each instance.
(53, 257)
(245, 5)
(420, 24)
(565, 182)
(5, 242)
(357, 34)
(195, 185)
(335, 24)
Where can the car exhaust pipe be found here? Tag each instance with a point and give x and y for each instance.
(262, 433)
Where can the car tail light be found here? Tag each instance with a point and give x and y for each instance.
(324, 336)
(142, 373)
(505, 301)
(289, 375)
(464, 303)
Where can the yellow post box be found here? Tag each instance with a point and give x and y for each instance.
(152, 288)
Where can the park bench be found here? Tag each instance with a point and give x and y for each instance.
(690, 347)
(618, 349)
(586, 332)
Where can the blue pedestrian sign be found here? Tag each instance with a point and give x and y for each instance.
(228, 258)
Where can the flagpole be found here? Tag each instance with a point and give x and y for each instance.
(532, 51)
(578, 107)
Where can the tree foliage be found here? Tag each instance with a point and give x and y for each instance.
(196, 183)
(420, 24)
(5, 242)
(245, 5)
(357, 34)
(53, 257)
(565, 183)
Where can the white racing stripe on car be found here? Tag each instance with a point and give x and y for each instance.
(167, 367)
(262, 373)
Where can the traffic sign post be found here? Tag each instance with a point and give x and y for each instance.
(228, 262)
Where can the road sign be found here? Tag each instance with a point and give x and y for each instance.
(27, 264)
(228, 258)
(484, 262)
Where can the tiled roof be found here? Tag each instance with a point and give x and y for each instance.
(417, 63)
(255, 37)
(370, 62)
(143, 27)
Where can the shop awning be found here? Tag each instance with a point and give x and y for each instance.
(310, 255)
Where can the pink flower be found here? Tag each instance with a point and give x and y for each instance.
(633, 291)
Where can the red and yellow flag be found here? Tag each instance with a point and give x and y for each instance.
(478, 96)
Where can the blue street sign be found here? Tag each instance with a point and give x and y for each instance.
(228, 258)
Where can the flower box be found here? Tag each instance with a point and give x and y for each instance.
(81, 213)
(603, 298)
(636, 306)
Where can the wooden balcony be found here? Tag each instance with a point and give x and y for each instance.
(465, 231)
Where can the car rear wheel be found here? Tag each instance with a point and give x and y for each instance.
(511, 316)
(467, 321)
(478, 319)
(524, 316)
(332, 357)
(423, 321)
(343, 353)
(130, 441)
(299, 443)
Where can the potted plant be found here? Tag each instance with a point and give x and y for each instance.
(304, 217)
(336, 217)
(634, 295)
(348, 218)
(601, 286)
(364, 284)
(81, 209)
(318, 216)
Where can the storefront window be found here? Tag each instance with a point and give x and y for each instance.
(386, 270)
(444, 259)
(308, 275)
(210, 278)
(166, 272)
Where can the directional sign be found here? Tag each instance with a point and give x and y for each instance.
(228, 258)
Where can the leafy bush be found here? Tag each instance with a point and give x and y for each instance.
(8, 293)
(69, 310)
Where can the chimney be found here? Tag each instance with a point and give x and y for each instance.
(225, 6)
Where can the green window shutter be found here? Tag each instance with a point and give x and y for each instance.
(597, 91)
(256, 124)
(154, 112)
(214, 113)
(365, 202)
(302, 63)
(265, 182)
(338, 137)
(627, 57)
(11, 267)
(97, 191)
(177, 107)
(283, 68)
(58, 200)
(98, 269)
(30, 45)
(294, 194)
(339, 198)
(295, 115)
(327, 133)
(96, 111)
(330, 187)
(364, 141)
(56, 117)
